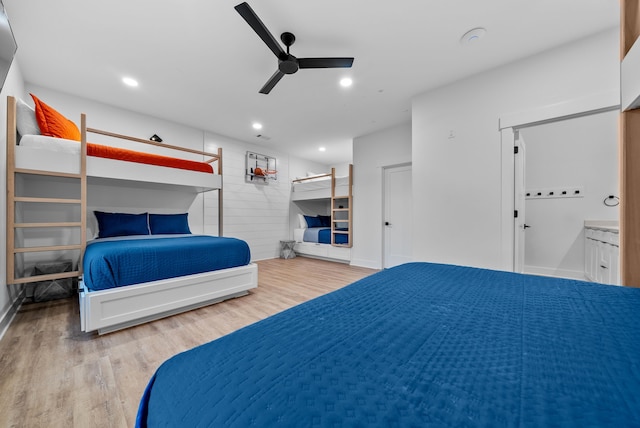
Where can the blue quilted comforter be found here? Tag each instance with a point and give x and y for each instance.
(116, 262)
(419, 345)
(322, 235)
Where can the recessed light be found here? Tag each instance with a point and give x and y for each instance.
(322, 149)
(257, 125)
(472, 36)
(129, 81)
(346, 82)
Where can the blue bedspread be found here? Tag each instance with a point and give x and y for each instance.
(116, 262)
(322, 235)
(419, 345)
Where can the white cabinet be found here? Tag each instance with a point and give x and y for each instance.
(602, 253)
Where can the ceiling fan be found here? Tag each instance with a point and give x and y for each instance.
(287, 63)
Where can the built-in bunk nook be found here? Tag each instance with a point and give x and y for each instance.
(133, 265)
(324, 208)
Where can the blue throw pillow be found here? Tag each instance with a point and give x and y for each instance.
(325, 220)
(121, 224)
(313, 221)
(169, 223)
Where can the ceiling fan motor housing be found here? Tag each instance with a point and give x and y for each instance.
(289, 65)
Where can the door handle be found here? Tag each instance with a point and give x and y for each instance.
(386, 223)
(526, 226)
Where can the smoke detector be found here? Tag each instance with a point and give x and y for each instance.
(472, 36)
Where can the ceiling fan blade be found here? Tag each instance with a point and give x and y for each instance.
(325, 62)
(272, 82)
(258, 26)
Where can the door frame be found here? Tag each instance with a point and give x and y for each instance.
(508, 124)
(384, 205)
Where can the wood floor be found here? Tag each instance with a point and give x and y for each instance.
(54, 375)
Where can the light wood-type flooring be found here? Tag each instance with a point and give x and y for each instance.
(54, 375)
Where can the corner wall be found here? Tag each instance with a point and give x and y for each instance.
(456, 144)
(371, 153)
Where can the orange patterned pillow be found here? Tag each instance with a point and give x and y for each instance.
(53, 124)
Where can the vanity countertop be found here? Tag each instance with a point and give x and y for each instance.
(610, 225)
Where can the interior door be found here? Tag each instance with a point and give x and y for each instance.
(519, 220)
(398, 211)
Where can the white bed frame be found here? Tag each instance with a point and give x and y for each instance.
(122, 307)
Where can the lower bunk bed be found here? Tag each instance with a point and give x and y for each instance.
(316, 242)
(418, 345)
(129, 280)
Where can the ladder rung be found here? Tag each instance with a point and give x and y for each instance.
(46, 277)
(340, 209)
(341, 245)
(47, 248)
(340, 232)
(58, 224)
(48, 200)
(47, 173)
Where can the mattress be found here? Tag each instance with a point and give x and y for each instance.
(322, 235)
(73, 147)
(121, 261)
(318, 183)
(418, 345)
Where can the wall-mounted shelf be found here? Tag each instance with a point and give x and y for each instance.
(260, 168)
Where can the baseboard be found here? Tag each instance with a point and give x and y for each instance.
(7, 317)
(558, 273)
(371, 264)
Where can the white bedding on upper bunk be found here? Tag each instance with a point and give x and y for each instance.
(319, 188)
(40, 152)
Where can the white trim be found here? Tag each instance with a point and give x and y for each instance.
(593, 103)
(122, 307)
(556, 273)
(590, 104)
(371, 264)
(10, 313)
(629, 82)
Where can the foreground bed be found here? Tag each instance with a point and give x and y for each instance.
(419, 345)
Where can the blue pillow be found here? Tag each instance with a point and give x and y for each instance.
(313, 221)
(325, 220)
(121, 224)
(168, 223)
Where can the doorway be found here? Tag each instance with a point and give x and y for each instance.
(397, 215)
(563, 176)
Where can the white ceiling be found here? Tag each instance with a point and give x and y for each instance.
(199, 63)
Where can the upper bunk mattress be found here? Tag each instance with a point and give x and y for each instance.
(117, 262)
(73, 147)
(419, 345)
(38, 152)
(319, 188)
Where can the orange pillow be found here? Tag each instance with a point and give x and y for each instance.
(53, 124)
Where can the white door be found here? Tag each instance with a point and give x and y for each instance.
(519, 214)
(397, 200)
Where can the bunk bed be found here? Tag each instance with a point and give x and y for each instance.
(418, 345)
(124, 303)
(325, 236)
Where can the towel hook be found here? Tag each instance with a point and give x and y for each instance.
(611, 201)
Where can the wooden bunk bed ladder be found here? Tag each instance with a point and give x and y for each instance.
(342, 211)
(13, 200)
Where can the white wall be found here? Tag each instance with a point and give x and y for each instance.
(371, 153)
(578, 152)
(456, 144)
(9, 295)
